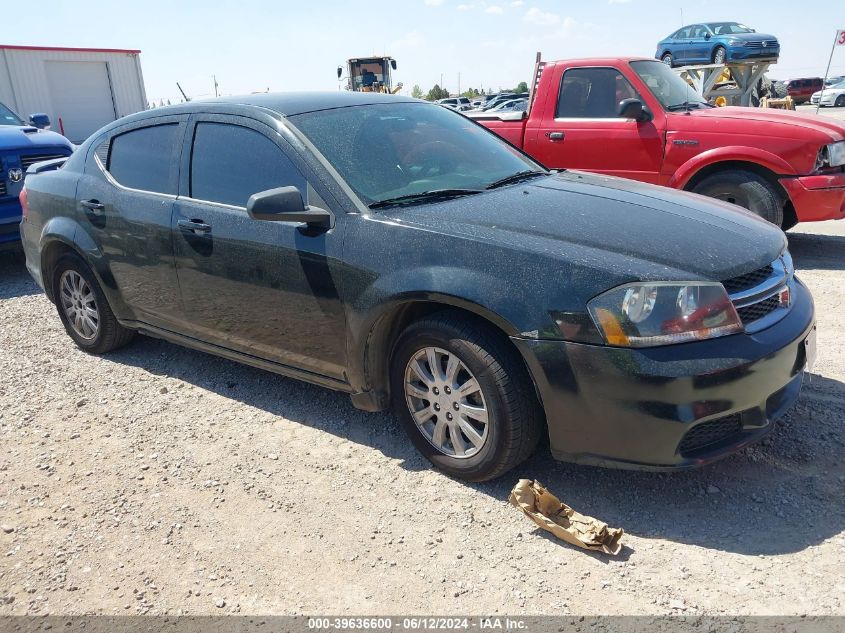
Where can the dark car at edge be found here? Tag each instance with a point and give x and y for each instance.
(401, 253)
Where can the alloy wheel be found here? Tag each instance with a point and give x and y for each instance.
(79, 304)
(446, 402)
(719, 56)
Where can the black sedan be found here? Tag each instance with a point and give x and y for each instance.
(397, 251)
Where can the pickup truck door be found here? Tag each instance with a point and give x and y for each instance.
(263, 288)
(579, 127)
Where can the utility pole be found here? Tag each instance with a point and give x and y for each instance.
(441, 80)
(214, 77)
(459, 83)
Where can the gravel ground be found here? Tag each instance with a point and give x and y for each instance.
(161, 480)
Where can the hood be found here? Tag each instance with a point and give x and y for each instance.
(629, 229)
(790, 120)
(15, 137)
(747, 37)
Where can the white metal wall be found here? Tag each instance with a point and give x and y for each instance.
(25, 88)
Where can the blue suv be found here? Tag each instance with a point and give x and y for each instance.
(716, 43)
(21, 145)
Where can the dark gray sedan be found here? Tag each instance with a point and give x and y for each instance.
(397, 251)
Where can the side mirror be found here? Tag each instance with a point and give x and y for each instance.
(707, 36)
(40, 120)
(285, 204)
(633, 109)
(393, 64)
(339, 71)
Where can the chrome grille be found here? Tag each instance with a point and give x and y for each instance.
(2, 188)
(26, 161)
(761, 44)
(756, 295)
(748, 280)
(759, 310)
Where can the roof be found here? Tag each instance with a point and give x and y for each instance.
(291, 103)
(15, 47)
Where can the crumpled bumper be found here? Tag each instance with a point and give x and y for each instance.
(670, 407)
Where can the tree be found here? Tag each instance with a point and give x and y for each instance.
(416, 92)
(472, 93)
(521, 87)
(437, 93)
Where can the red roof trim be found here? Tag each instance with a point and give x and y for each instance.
(13, 47)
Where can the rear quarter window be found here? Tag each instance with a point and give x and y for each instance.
(143, 158)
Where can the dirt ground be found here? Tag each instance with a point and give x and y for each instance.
(161, 480)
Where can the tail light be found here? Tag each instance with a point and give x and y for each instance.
(24, 205)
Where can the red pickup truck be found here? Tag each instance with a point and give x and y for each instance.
(636, 118)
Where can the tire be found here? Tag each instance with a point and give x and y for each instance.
(746, 189)
(668, 59)
(720, 55)
(840, 102)
(506, 394)
(780, 89)
(73, 281)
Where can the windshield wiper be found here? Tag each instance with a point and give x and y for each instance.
(520, 175)
(686, 105)
(424, 196)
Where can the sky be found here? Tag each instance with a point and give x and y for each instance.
(253, 45)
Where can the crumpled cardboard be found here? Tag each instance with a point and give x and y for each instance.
(547, 511)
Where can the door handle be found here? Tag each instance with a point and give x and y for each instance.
(93, 207)
(195, 227)
(555, 136)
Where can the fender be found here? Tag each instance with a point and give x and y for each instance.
(772, 162)
(71, 234)
(370, 333)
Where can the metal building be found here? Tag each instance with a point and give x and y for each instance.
(81, 89)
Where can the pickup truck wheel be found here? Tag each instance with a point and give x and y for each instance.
(746, 189)
(719, 55)
(464, 397)
(83, 308)
(668, 59)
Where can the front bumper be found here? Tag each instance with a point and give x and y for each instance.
(738, 53)
(817, 197)
(669, 407)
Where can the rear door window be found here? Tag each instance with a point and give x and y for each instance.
(231, 162)
(143, 158)
(592, 93)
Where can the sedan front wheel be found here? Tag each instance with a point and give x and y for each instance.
(464, 397)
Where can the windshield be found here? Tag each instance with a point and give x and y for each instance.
(839, 86)
(728, 28)
(672, 91)
(384, 151)
(7, 117)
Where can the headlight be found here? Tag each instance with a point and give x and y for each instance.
(735, 42)
(663, 313)
(832, 155)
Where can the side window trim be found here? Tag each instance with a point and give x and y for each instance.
(284, 146)
(108, 137)
(586, 118)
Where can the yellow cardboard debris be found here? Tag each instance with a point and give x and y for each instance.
(547, 511)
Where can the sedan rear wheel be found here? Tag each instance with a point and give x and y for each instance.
(83, 308)
(464, 396)
(668, 59)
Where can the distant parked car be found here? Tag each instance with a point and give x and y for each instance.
(514, 105)
(716, 43)
(830, 96)
(802, 89)
(460, 104)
